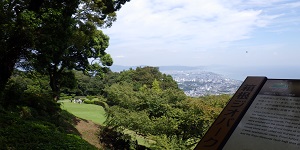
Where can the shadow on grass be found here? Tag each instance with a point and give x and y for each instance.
(68, 122)
(115, 140)
(40, 132)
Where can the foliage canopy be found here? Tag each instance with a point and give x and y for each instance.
(53, 37)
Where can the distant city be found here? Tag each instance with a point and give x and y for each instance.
(195, 82)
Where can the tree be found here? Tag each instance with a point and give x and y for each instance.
(160, 113)
(59, 36)
(155, 86)
(32, 30)
(72, 51)
(22, 84)
(17, 26)
(145, 76)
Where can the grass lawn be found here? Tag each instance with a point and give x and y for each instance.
(96, 114)
(91, 112)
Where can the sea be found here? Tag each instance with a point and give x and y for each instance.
(271, 72)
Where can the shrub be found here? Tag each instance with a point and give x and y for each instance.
(73, 95)
(43, 103)
(25, 112)
(12, 93)
(88, 102)
(102, 99)
(100, 103)
(63, 96)
(113, 139)
(89, 97)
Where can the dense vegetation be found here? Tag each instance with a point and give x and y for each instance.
(54, 37)
(150, 103)
(143, 101)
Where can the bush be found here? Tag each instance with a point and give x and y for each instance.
(88, 102)
(90, 97)
(102, 99)
(42, 103)
(100, 103)
(25, 112)
(12, 94)
(63, 96)
(113, 139)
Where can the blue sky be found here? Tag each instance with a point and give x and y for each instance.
(206, 32)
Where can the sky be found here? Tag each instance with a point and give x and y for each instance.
(207, 33)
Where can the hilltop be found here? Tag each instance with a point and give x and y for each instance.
(196, 80)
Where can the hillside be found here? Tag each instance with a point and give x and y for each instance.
(138, 108)
(196, 81)
(89, 131)
(31, 128)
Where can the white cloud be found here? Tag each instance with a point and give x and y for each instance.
(205, 22)
(292, 5)
(156, 28)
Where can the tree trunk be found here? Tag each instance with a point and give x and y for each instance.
(5, 73)
(54, 84)
(7, 64)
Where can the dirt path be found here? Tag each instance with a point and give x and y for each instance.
(89, 131)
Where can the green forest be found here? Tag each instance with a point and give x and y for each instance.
(144, 101)
(54, 51)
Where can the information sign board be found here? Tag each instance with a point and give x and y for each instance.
(262, 114)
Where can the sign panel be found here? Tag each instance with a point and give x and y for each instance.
(224, 125)
(272, 121)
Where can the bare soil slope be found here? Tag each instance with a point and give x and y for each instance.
(89, 131)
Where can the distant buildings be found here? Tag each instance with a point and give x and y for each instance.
(196, 83)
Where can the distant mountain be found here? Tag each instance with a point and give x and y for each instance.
(180, 68)
(118, 68)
